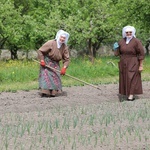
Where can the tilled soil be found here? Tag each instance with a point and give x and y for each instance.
(26, 101)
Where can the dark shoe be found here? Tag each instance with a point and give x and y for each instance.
(131, 99)
(52, 95)
(44, 95)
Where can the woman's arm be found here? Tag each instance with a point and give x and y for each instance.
(44, 49)
(140, 65)
(116, 52)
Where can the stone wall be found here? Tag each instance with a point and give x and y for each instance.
(103, 51)
(6, 54)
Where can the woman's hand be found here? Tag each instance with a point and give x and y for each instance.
(140, 68)
(115, 46)
(42, 63)
(63, 71)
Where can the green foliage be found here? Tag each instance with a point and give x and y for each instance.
(24, 74)
(27, 24)
(10, 19)
(18, 71)
(134, 13)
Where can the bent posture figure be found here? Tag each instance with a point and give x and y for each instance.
(50, 54)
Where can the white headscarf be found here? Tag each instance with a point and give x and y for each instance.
(127, 29)
(64, 34)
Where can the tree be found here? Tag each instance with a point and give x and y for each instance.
(136, 14)
(27, 24)
(90, 23)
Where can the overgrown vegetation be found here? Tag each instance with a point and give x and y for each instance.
(17, 75)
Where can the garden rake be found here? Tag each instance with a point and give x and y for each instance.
(70, 76)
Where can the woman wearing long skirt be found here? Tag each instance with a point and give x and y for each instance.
(50, 54)
(131, 53)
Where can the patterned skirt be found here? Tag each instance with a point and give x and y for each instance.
(48, 78)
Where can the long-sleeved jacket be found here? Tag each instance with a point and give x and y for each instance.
(50, 50)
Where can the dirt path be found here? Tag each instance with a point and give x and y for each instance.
(27, 101)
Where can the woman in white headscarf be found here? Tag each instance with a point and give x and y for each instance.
(51, 53)
(131, 53)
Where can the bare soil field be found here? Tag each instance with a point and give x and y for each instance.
(25, 101)
(83, 118)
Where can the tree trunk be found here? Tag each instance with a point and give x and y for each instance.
(2, 42)
(94, 52)
(27, 54)
(91, 57)
(13, 54)
(147, 48)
